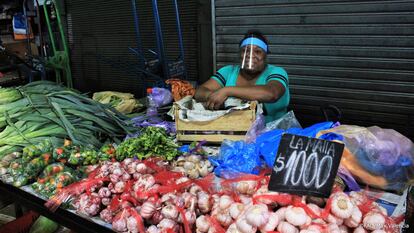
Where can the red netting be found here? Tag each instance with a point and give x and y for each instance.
(152, 164)
(128, 186)
(174, 187)
(130, 199)
(115, 202)
(205, 183)
(169, 230)
(140, 222)
(167, 177)
(242, 177)
(323, 227)
(235, 196)
(297, 202)
(367, 204)
(187, 227)
(146, 194)
(94, 173)
(71, 190)
(215, 224)
(282, 199)
(325, 212)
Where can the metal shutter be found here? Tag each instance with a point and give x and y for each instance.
(100, 33)
(357, 55)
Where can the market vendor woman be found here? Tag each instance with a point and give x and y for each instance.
(253, 79)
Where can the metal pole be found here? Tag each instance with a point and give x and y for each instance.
(67, 70)
(39, 28)
(29, 48)
(160, 43)
(138, 51)
(213, 32)
(49, 27)
(180, 36)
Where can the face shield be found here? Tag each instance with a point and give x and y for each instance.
(253, 54)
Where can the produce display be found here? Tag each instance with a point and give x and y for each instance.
(144, 196)
(51, 167)
(68, 149)
(41, 110)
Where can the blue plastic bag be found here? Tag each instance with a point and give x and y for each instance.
(267, 144)
(236, 157)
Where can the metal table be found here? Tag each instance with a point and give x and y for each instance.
(61, 216)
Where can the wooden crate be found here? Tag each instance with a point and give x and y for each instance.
(232, 126)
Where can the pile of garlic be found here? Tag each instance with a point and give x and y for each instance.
(193, 166)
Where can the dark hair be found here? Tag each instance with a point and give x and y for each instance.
(257, 34)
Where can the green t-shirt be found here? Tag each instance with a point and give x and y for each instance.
(227, 77)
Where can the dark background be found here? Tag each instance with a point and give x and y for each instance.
(357, 55)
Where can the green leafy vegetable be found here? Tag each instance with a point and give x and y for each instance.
(152, 141)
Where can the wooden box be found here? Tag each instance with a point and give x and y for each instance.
(232, 126)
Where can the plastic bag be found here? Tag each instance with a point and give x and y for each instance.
(236, 157)
(159, 97)
(123, 102)
(379, 157)
(256, 128)
(267, 144)
(286, 122)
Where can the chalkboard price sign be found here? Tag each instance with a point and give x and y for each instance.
(305, 166)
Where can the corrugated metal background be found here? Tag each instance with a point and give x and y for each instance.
(100, 33)
(357, 55)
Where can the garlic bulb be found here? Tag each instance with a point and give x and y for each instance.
(225, 201)
(244, 227)
(202, 224)
(235, 210)
(194, 166)
(271, 224)
(170, 212)
(224, 218)
(257, 215)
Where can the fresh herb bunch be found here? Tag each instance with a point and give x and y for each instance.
(152, 141)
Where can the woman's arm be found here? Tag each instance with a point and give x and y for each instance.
(206, 89)
(268, 93)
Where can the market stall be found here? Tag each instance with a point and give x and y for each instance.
(92, 169)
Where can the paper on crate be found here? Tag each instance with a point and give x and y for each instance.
(191, 110)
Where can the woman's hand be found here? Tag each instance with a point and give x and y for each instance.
(216, 99)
